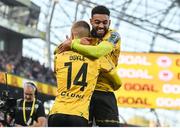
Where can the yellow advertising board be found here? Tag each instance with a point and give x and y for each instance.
(16, 81)
(150, 80)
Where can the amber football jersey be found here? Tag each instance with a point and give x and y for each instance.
(103, 83)
(76, 79)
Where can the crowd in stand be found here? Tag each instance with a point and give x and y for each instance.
(26, 67)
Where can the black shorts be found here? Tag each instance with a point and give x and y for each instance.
(63, 120)
(103, 108)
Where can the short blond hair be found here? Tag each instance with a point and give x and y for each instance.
(80, 29)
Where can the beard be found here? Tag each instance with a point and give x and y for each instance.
(96, 35)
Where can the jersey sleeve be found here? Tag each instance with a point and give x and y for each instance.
(106, 65)
(113, 78)
(102, 49)
(97, 51)
(114, 38)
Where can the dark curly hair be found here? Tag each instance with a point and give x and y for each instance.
(100, 9)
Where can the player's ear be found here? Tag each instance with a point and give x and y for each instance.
(91, 21)
(109, 22)
(72, 36)
(67, 37)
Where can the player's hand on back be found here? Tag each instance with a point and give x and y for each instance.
(65, 46)
(86, 41)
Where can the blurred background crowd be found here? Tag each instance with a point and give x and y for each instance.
(26, 67)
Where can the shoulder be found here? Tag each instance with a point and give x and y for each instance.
(38, 101)
(114, 32)
(112, 36)
(19, 100)
(38, 104)
(110, 32)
